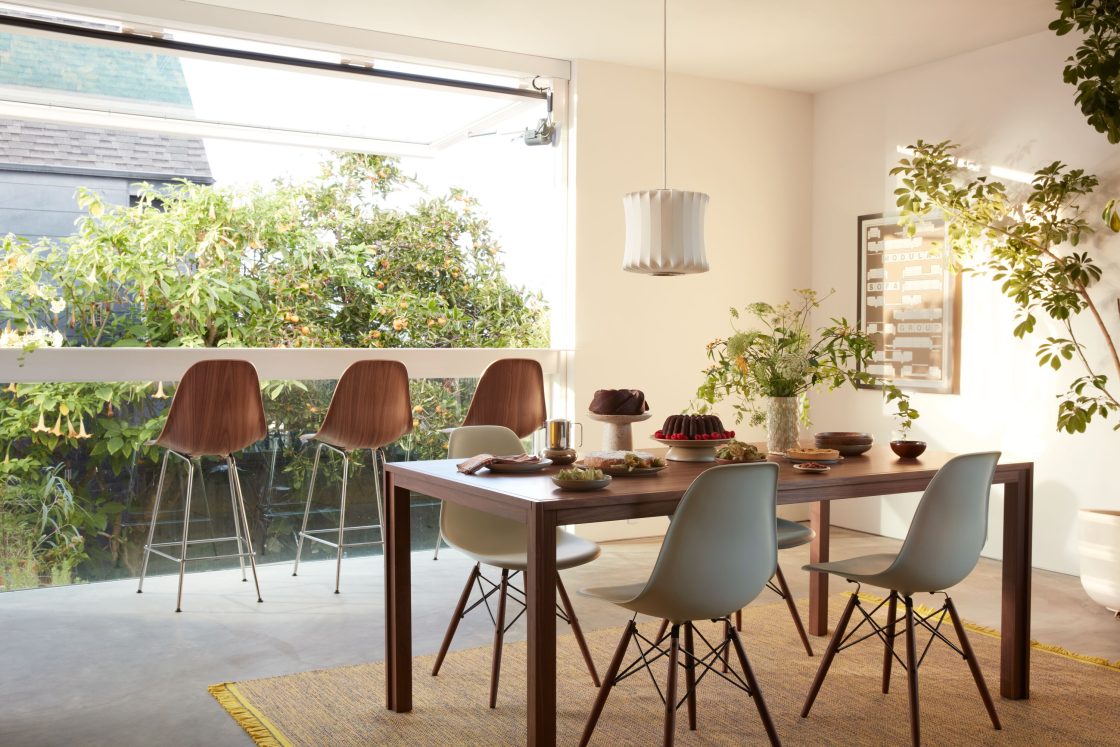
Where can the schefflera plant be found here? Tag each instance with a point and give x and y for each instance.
(1030, 246)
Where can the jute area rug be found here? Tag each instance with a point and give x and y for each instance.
(1074, 701)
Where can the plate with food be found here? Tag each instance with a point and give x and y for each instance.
(513, 467)
(578, 478)
(822, 456)
(738, 452)
(624, 464)
(811, 467)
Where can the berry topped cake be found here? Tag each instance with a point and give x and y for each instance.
(618, 402)
(693, 428)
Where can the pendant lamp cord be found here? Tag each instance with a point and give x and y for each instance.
(665, 94)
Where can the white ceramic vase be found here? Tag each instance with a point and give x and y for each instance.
(1099, 546)
(781, 423)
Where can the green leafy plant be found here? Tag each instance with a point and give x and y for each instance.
(1095, 66)
(1028, 243)
(783, 357)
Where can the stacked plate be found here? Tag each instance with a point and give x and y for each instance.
(848, 443)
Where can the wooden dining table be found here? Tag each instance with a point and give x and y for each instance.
(532, 498)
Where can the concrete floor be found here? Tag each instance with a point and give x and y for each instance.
(101, 665)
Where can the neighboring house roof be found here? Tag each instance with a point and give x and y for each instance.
(31, 63)
(44, 147)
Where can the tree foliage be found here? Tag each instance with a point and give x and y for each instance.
(1095, 66)
(360, 257)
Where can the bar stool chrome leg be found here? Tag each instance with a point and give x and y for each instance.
(236, 525)
(152, 526)
(341, 522)
(245, 523)
(378, 457)
(307, 508)
(186, 530)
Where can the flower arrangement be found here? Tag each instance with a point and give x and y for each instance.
(783, 357)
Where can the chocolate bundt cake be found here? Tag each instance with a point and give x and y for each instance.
(693, 428)
(618, 402)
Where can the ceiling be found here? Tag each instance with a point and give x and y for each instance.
(802, 45)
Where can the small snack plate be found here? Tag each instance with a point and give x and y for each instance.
(520, 466)
(818, 467)
(740, 461)
(581, 484)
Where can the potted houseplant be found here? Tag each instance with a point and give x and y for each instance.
(768, 370)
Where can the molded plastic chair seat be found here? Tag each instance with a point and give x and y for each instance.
(508, 548)
(492, 540)
(718, 554)
(792, 534)
(941, 548)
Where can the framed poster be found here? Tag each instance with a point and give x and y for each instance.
(909, 303)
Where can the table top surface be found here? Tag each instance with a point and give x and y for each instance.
(878, 471)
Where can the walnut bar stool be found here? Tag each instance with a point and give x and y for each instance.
(510, 393)
(370, 409)
(942, 546)
(502, 543)
(217, 410)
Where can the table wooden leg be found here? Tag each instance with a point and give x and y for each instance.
(1015, 629)
(398, 599)
(819, 518)
(540, 593)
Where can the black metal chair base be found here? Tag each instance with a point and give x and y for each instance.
(655, 650)
(507, 592)
(887, 634)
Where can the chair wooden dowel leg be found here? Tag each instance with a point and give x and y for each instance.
(671, 686)
(577, 631)
(781, 579)
(608, 683)
(912, 673)
(973, 664)
(455, 618)
(829, 654)
(499, 635)
(756, 692)
(726, 644)
(739, 620)
(888, 653)
(661, 630)
(690, 675)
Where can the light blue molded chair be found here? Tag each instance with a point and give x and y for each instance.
(941, 548)
(719, 552)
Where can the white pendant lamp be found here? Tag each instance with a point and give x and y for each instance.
(665, 227)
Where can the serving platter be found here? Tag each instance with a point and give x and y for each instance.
(514, 467)
(619, 470)
(740, 461)
(802, 460)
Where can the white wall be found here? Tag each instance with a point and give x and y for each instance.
(1007, 106)
(749, 149)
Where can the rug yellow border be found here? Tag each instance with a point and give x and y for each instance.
(265, 734)
(262, 731)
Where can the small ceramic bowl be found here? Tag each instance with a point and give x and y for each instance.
(908, 449)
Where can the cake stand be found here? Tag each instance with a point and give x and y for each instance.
(692, 451)
(617, 433)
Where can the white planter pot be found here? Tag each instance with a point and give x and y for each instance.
(1100, 556)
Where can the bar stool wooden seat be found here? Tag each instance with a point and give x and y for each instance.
(370, 409)
(510, 393)
(217, 410)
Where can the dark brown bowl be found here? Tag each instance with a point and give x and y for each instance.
(908, 449)
(845, 449)
(844, 437)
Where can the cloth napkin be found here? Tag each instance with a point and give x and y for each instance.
(475, 463)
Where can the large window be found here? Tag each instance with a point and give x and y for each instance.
(162, 200)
